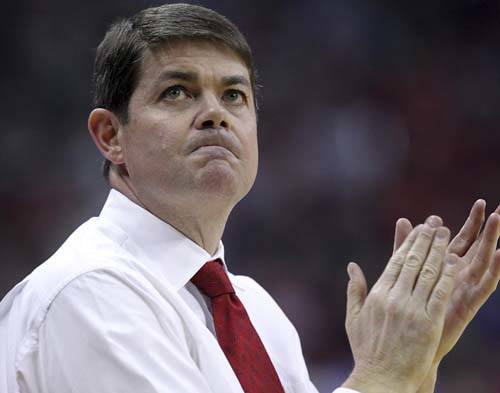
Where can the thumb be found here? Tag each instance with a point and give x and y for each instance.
(356, 289)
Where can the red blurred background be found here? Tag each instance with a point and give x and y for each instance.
(370, 111)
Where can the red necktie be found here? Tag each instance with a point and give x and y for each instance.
(236, 335)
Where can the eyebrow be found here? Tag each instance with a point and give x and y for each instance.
(182, 75)
(235, 80)
(192, 77)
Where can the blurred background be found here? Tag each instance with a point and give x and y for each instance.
(370, 111)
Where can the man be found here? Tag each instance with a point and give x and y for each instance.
(139, 299)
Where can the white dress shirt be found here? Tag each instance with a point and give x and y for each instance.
(113, 311)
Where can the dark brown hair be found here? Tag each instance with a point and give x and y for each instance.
(119, 55)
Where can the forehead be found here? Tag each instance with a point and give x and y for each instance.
(208, 60)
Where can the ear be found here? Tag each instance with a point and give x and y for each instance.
(103, 128)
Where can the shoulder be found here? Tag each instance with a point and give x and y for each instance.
(109, 318)
(91, 247)
(111, 296)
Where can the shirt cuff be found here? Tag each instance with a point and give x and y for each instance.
(345, 390)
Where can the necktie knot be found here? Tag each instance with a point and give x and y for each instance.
(212, 280)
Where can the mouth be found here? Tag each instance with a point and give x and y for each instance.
(215, 144)
(214, 151)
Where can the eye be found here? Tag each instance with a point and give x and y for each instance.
(234, 96)
(175, 93)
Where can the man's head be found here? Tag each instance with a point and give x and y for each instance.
(176, 113)
(118, 62)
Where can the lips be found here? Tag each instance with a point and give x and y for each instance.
(215, 152)
(215, 140)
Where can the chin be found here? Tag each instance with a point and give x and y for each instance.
(219, 178)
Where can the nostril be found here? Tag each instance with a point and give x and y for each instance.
(208, 124)
(211, 124)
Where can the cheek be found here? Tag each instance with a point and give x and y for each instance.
(162, 140)
(253, 139)
(152, 144)
(252, 163)
(253, 151)
(168, 131)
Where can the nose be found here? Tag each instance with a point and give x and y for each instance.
(211, 114)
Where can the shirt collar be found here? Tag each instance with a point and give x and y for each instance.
(156, 243)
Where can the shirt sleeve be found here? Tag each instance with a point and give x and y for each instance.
(103, 334)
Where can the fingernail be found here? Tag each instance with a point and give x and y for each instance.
(434, 221)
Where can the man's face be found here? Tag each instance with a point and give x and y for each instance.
(192, 127)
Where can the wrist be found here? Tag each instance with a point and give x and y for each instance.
(378, 382)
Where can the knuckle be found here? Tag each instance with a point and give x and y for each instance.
(462, 237)
(397, 259)
(474, 276)
(450, 273)
(429, 272)
(393, 307)
(440, 245)
(440, 294)
(413, 260)
(427, 235)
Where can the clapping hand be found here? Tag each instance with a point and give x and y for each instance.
(395, 330)
(478, 276)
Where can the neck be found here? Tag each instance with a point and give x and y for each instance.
(204, 225)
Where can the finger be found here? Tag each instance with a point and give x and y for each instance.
(494, 269)
(432, 267)
(356, 290)
(470, 230)
(473, 249)
(434, 221)
(414, 261)
(393, 267)
(488, 284)
(403, 229)
(485, 250)
(440, 296)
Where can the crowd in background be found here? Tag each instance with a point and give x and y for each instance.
(369, 111)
